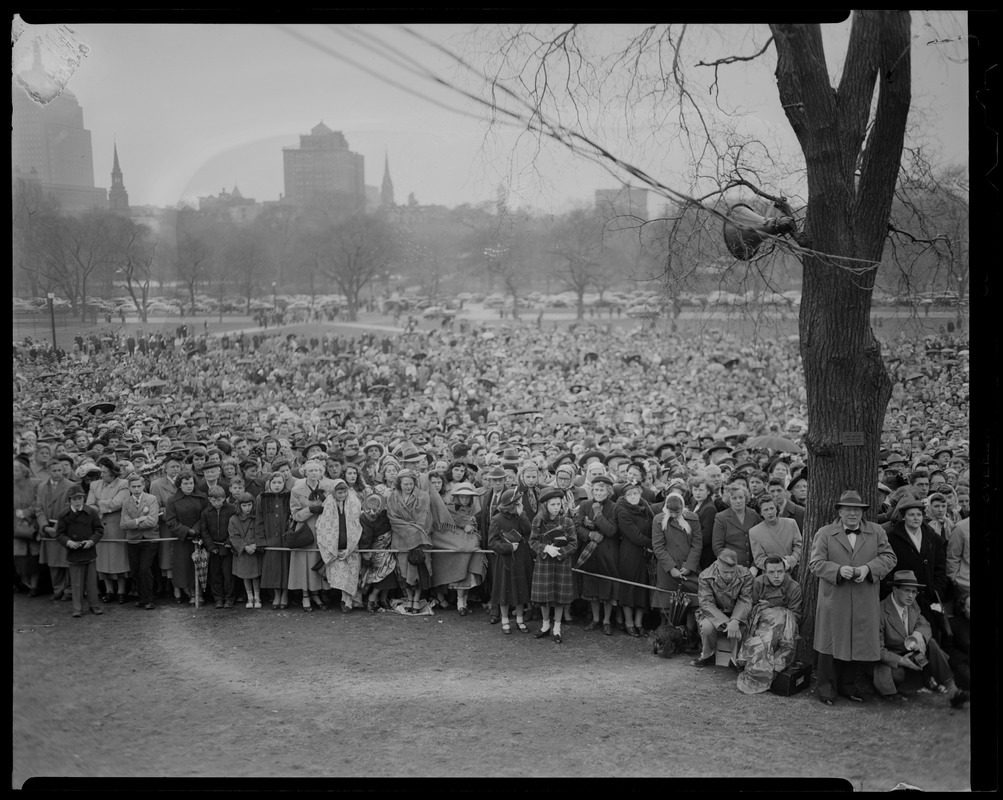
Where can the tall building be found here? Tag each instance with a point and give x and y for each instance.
(625, 201)
(323, 172)
(118, 197)
(51, 140)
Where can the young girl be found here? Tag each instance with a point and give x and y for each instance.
(245, 541)
(508, 536)
(553, 540)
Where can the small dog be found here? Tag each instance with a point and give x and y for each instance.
(667, 640)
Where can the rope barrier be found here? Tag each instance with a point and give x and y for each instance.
(631, 583)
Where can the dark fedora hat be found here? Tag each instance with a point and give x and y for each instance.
(851, 499)
(901, 508)
(906, 577)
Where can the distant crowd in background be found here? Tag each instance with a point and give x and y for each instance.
(633, 481)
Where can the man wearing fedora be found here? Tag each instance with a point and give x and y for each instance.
(920, 550)
(909, 655)
(849, 557)
(724, 593)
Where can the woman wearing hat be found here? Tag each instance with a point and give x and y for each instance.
(512, 578)
(633, 520)
(465, 569)
(410, 514)
(107, 495)
(552, 538)
(271, 517)
(919, 549)
(596, 522)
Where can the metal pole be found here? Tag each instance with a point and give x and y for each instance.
(52, 319)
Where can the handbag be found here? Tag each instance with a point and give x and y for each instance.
(25, 530)
(300, 536)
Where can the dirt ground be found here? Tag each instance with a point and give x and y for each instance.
(242, 693)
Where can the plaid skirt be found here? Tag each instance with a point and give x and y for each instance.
(553, 581)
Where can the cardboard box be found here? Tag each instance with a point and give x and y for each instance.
(727, 650)
(792, 680)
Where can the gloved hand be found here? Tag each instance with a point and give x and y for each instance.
(317, 510)
(416, 556)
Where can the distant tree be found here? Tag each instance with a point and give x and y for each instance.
(576, 243)
(193, 249)
(248, 260)
(354, 252)
(35, 216)
(134, 259)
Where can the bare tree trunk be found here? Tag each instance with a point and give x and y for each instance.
(850, 189)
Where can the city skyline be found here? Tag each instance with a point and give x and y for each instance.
(193, 109)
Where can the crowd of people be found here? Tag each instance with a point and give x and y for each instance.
(621, 477)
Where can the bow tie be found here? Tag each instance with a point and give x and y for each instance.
(852, 530)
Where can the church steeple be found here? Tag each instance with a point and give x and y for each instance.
(387, 190)
(118, 197)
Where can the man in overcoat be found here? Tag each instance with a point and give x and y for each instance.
(849, 557)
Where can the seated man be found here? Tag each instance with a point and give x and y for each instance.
(768, 646)
(908, 653)
(724, 594)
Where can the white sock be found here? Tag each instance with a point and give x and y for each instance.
(504, 621)
(557, 629)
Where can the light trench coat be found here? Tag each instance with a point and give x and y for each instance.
(847, 616)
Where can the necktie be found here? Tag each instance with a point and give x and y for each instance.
(905, 620)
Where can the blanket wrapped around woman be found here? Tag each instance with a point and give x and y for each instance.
(338, 532)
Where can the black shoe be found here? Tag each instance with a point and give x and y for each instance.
(541, 633)
(827, 701)
(591, 625)
(852, 696)
(495, 620)
(557, 638)
(703, 662)
(149, 606)
(962, 697)
(892, 698)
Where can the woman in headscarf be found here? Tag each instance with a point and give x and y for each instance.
(410, 514)
(339, 530)
(306, 504)
(552, 538)
(388, 470)
(464, 569)
(183, 512)
(107, 496)
(26, 550)
(378, 574)
(529, 488)
(633, 520)
(677, 541)
(271, 516)
(596, 522)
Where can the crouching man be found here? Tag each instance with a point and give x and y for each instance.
(724, 593)
(909, 656)
(773, 627)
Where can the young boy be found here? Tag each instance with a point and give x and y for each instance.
(215, 527)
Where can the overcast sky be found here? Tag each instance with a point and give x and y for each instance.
(196, 108)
